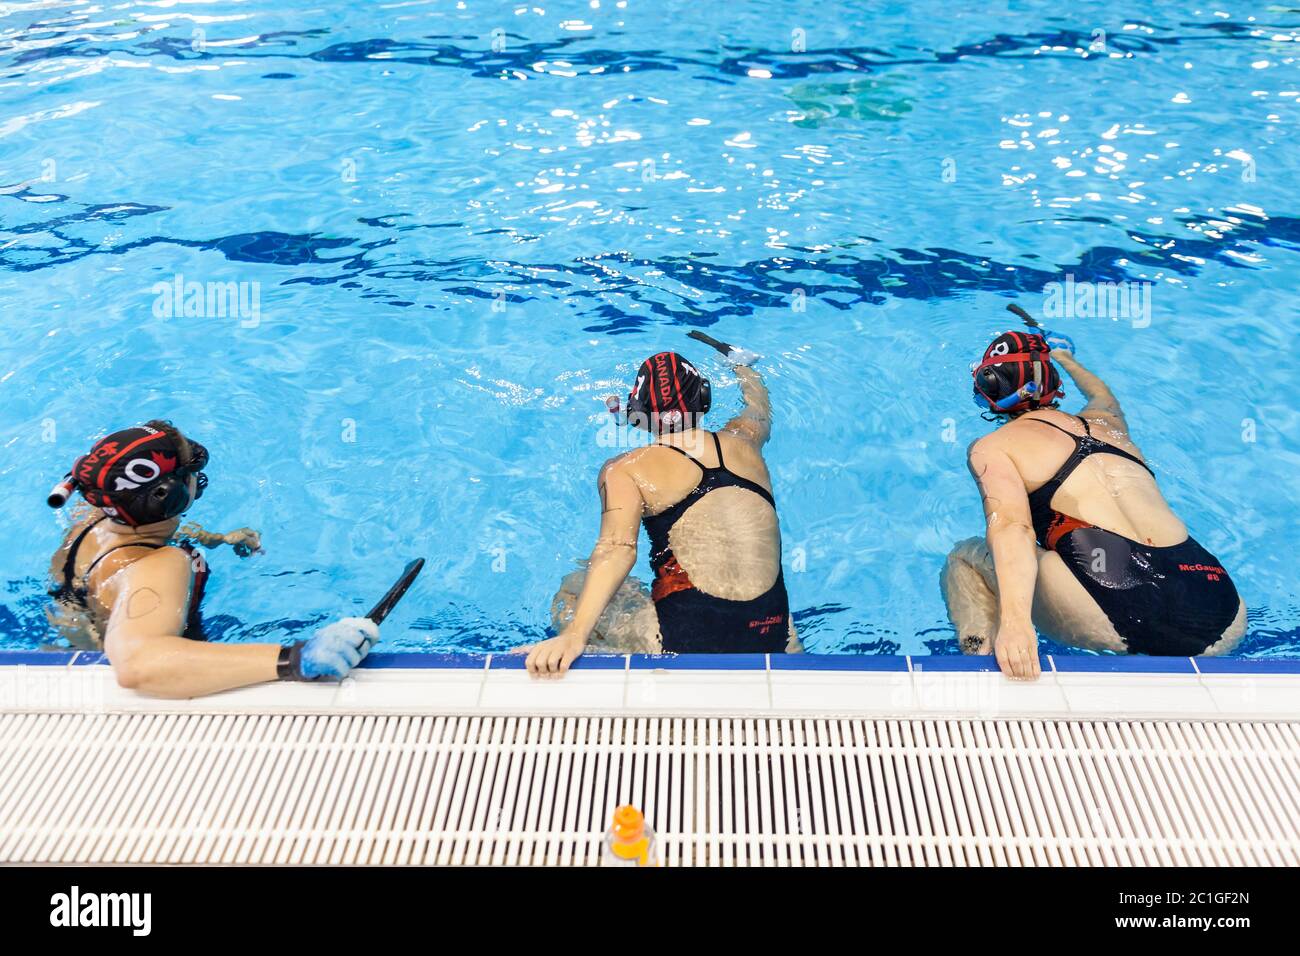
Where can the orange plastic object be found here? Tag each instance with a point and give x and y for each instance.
(629, 837)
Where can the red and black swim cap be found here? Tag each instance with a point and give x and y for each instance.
(670, 394)
(1013, 360)
(141, 475)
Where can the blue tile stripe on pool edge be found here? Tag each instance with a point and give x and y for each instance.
(698, 662)
(1248, 665)
(838, 662)
(37, 658)
(963, 663)
(383, 660)
(591, 662)
(1072, 664)
(935, 663)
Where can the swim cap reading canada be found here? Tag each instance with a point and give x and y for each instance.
(1013, 360)
(670, 394)
(138, 475)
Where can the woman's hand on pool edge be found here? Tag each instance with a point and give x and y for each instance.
(551, 658)
(1016, 649)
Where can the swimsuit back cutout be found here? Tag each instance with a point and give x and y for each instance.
(1049, 524)
(1175, 600)
(694, 621)
(658, 526)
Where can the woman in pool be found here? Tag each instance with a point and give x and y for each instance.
(1113, 567)
(124, 579)
(705, 499)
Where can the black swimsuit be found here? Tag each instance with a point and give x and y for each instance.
(1173, 601)
(691, 621)
(76, 596)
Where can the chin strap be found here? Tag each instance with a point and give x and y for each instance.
(1036, 360)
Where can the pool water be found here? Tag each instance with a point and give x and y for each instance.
(455, 228)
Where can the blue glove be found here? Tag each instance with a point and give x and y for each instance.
(330, 652)
(1057, 341)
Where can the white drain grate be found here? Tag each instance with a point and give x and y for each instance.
(341, 789)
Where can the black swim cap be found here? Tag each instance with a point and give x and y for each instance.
(141, 475)
(670, 394)
(1013, 360)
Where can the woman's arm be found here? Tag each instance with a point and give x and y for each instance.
(1010, 535)
(150, 600)
(611, 560)
(1101, 400)
(245, 541)
(754, 423)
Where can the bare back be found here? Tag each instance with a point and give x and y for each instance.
(1107, 491)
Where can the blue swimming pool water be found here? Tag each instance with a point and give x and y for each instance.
(466, 223)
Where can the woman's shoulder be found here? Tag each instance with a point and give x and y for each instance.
(161, 567)
(168, 558)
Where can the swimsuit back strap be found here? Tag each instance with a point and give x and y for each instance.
(1105, 447)
(1084, 422)
(687, 455)
(1108, 449)
(718, 446)
(137, 544)
(1088, 445)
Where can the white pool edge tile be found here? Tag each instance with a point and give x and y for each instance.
(648, 691)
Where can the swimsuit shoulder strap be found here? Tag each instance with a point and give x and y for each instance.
(724, 475)
(70, 562)
(1084, 422)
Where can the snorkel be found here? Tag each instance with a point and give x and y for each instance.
(1011, 401)
(1015, 375)
(61, 492)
